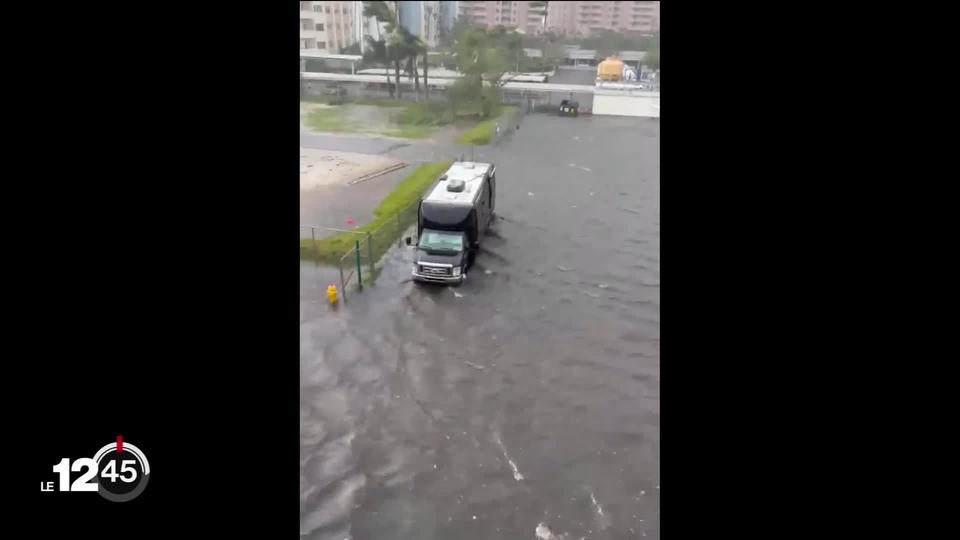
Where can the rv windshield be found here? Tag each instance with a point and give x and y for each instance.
(441, 241)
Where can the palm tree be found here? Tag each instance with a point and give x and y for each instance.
(396, 51)
(433, 15)
(411, 70)
(379, 11)
(377, 53)
(384, 51)
(413, 46)
(426, 69)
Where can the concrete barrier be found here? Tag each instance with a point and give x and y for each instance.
(622, 103)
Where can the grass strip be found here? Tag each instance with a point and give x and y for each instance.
(483, 132)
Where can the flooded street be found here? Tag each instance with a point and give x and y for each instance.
(527, 397)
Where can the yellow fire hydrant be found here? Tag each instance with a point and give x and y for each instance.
(332, 294)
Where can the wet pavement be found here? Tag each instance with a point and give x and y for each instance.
(529, 396)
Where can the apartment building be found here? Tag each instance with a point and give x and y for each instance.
(328, 26)
(526, 17)
(585, 17)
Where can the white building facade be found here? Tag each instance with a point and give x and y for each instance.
(328, 26)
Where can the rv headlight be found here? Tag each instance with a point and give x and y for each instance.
(456, 270)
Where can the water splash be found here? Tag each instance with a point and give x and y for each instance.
(603, 519)
(513, 466)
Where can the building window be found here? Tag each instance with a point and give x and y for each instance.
(317, 9)
(328, 9)
(319, 27)
(304, 6)
(321, 44)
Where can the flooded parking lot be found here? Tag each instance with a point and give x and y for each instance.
(525, 402)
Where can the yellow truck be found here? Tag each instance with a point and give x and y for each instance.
(610, 69)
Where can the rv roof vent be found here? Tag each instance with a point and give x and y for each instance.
(456, 185)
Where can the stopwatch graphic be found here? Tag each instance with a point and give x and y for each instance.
(119, 472)
(123, 471)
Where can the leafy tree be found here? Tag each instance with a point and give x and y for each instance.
(461, 26)
(483, 57)
(379, 11)
(652, 59)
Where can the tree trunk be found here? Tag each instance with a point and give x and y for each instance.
(426, 83)
(416, 77)
(396, 65)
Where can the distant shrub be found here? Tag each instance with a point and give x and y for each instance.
(425, 114)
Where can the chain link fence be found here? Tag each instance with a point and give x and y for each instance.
(359, 265)
(340, 92)
(508, 122)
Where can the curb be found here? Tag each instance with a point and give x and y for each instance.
(378, 173)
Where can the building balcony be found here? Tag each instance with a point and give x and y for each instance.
(313, 34)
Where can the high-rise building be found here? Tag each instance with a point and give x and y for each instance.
(422, 19)
(584, 17)
(448, 14)
(526, 17)
(328, 26)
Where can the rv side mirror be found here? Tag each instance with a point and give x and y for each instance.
(407, 240)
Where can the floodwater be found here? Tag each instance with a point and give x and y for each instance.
(525, 403)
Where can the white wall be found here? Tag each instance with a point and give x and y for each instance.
(627, 105)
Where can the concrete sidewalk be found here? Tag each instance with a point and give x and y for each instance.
(333, 205)
(325, 167)
(329, 201)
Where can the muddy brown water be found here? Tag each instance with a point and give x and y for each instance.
(529, 396)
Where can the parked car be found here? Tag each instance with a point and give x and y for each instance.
(569, 108)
